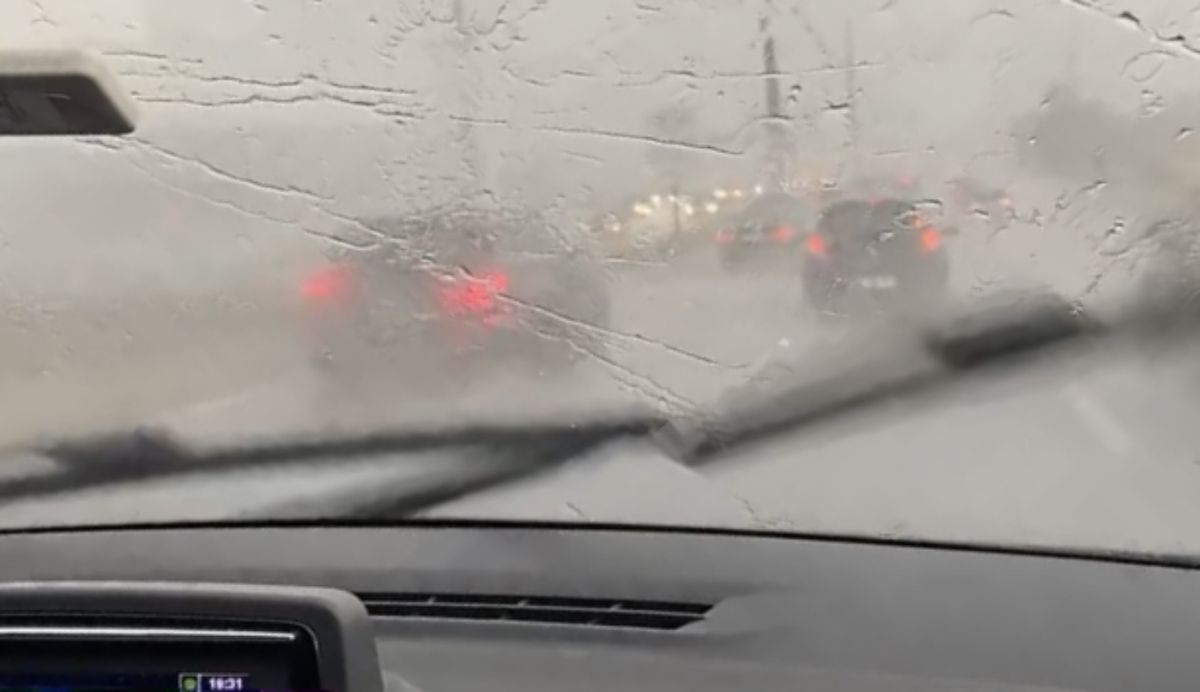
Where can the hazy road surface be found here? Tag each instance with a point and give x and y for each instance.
(213, 366)
(680, 334)
(677, 337)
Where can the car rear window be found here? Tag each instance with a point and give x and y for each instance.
(533, 235)
(898, 215)
(443, 238)
(861, 221)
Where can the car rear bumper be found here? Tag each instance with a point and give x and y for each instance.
(904, 291)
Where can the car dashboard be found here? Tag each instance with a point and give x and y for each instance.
(423, 608)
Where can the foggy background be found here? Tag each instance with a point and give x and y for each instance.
(153, 278)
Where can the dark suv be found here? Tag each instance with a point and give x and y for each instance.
(874, 256)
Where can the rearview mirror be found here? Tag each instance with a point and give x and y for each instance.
(60, 93)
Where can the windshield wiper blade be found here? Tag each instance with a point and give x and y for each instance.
(988, 338)
(143, 455)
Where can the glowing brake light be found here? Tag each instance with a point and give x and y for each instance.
(327, 284)
(816, 245)
(782, 234)
(472, 295)
(930, 239)
(723, 237)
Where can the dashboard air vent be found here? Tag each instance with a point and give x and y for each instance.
(546, 610)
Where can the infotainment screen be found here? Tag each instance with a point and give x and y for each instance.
(85, 657)
(131, 682)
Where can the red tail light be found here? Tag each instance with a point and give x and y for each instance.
(327, 284)
(782, 234)
(930, 239)
(723, 237)
(473, 295)
(816, 245)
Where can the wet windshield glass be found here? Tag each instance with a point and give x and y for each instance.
(346, 216)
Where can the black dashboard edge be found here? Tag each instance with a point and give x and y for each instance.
(1181, 561)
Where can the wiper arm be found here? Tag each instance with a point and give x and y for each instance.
(514, 452)
(986, 339)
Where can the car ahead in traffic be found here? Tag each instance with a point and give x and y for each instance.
(640, 231)
(462, 294)
(874, 257)
(765, 233)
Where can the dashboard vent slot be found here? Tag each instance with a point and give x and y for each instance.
(545, 610)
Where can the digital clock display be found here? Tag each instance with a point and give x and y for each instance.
(214, 682)
(136, 682)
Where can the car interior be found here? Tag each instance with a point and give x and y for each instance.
(462, 607)
(456, 605)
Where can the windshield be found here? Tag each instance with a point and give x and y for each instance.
(339, 217)
(859, 222)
